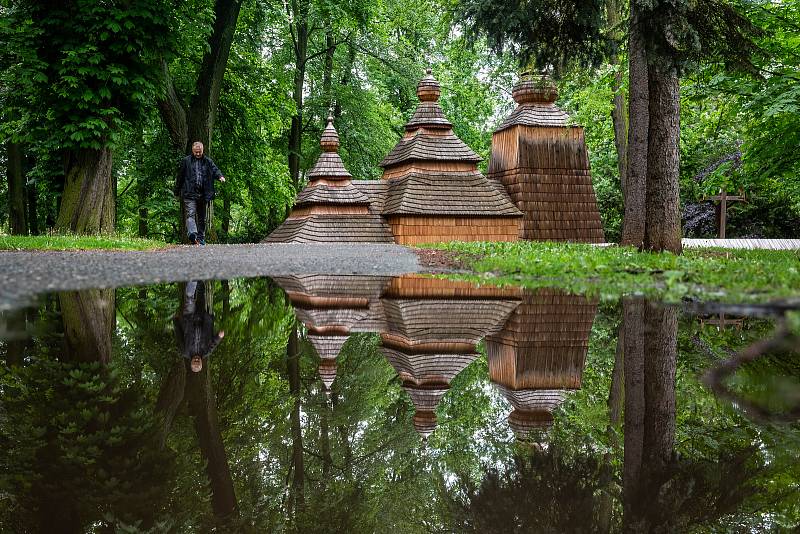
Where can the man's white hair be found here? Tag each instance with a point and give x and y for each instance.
(197, 143)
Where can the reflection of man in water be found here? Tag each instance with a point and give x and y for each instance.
(194, 328)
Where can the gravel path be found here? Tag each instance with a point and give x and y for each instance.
(26, 274)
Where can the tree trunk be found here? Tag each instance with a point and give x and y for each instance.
(296, 128)
(88, 203)
(348, 73)
(619, 117)
(225, 223)
(325, 441)
(15, 325)
(663, 229)
(344, 436)
(18, 222)
(327, 73)
(660, 348)
(142, 194)
(649, 415)
(297, 500)
(633, 224)
(170, 398)
(197, 123)
(89, 320)
(203, 407)
(633, 362)
(33, 211)
(203, 109)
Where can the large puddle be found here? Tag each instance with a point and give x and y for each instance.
(394, 404)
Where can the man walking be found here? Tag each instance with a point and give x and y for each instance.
(195, 184)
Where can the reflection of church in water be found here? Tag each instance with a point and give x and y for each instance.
(536, 341)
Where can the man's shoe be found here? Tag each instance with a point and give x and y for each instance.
(192, 238)
(202, 242)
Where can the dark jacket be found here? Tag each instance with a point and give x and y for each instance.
(195, 334)
(185, 184)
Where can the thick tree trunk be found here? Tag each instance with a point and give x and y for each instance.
(203, 109)
(88, 205)
(327, 72)
(203, 407)
(89, 318)
(633, 224)
(649, 439)
(633, 358)
(661, 351)
(663, 229)
(18, 222)
(297, 499)
(14, 324)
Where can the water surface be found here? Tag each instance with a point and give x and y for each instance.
(393, 404)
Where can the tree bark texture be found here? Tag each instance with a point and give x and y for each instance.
(633, 361)
(650, 367)
(170, 398)
(18, 220)
(89, 318)
(203, 407)
(203, 109)
(633, 224)
(88, 205)
(663, 231)
(33, 211)
(298, 469)
(619, 116)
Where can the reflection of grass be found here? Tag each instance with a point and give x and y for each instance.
(75, 242)
(711, 274)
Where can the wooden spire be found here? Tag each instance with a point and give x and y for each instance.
(435, 190)
(543, 164)
(539, 355)
(330, 209)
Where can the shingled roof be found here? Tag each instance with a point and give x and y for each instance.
(539, 355)
(330, 209)
(447, 193)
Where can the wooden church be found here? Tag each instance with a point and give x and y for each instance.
(538, 356)
(539, 185)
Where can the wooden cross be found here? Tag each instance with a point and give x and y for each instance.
(722, 208)
(722, 322)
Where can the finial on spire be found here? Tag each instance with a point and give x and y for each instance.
(330, 138)
(428, 88)
(535, 88)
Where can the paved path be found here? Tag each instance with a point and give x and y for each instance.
(25, 274)
(763, 244)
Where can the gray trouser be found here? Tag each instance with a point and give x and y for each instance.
(196, 217)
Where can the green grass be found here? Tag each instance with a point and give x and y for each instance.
(76, 242)
(721, 275)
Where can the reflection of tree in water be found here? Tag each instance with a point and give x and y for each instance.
(194, 332)
(77, 440)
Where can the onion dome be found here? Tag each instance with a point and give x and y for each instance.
(424, 424)
(330, 138)
(535, 96)
(327, 373)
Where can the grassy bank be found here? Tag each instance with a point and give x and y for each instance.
(709, 274)
(74, 242)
